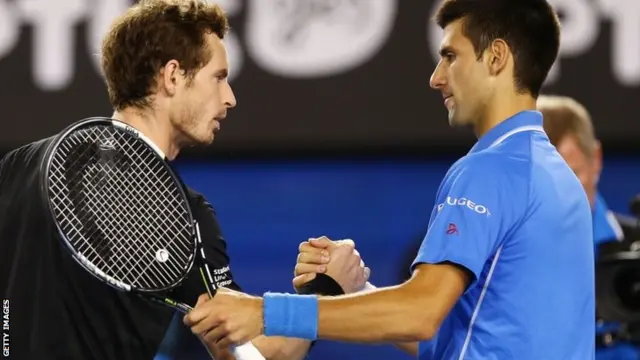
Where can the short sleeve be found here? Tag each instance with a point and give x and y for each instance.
(215, 249)
(474, 209)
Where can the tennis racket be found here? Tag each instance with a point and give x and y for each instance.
(123, 213)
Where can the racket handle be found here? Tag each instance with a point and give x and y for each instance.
(207, 348)
(243, 352)
(183, 308)
(247, 352)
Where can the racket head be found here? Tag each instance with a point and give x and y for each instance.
(118, 206)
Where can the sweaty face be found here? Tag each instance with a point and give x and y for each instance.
(585, 167)
(460, 77)
(201, 105)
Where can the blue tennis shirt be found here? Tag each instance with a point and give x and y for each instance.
(516, 217)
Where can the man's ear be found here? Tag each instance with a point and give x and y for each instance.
(498, 53)
(170, 77)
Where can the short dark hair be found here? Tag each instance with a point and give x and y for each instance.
(150, 34)
(531, 28)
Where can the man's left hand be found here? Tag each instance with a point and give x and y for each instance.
(229, 318)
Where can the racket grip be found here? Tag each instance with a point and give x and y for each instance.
(247, 352)
(183, 308)
(243, 352)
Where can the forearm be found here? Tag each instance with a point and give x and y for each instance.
(385, 315)
(409, 347)
(281, 348)
(405, 313)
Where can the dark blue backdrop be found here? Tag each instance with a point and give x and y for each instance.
(266, 208)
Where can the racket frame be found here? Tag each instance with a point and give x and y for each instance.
(83, 261)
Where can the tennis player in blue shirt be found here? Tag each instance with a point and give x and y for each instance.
(484, 283)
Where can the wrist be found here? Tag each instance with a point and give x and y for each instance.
(290, 315)
(260, 307)
(322, 284)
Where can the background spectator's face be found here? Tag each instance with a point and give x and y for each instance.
(586, 167)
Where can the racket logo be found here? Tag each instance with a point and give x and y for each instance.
(162, 255)
(107, 144)
(130, 130)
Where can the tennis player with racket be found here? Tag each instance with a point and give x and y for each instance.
(103, 246)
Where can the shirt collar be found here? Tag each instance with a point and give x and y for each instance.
(528, 120)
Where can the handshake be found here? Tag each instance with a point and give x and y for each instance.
(337, 259)
(233, 318)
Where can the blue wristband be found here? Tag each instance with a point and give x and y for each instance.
(289, 315)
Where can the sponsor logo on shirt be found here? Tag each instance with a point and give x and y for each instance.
(464, 202)
(452, 229)
(221, 276)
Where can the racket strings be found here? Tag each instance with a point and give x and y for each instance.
(133, 196)
(122, 220)
(120, 208)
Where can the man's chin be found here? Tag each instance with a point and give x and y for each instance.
(453, 121)
(457, 122)
(201, 141)
(207, 142)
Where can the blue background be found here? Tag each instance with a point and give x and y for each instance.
(267, 207)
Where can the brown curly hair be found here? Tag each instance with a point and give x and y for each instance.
(147, 36)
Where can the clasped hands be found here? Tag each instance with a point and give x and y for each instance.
(234, 318)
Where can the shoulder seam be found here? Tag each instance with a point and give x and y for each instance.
(529, 139)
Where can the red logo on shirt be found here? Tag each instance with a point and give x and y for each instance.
(452, 229)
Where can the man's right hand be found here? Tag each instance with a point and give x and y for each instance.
(337, 259)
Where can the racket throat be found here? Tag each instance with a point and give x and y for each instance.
(205, 273)
(182, 307)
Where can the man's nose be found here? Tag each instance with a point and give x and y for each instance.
(437, 80)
